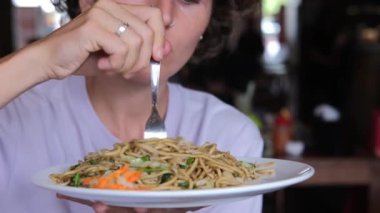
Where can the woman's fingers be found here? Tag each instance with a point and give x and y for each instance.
(86, 35)
(153, 18)
(149, 15)
(145, 32)
(103, 208)
(93, 36)
(81, 201)
(100, 207)
(141, 210)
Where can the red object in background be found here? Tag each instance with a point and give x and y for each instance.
(376, 132)
(283, 131)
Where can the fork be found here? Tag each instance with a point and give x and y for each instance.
(155, 126)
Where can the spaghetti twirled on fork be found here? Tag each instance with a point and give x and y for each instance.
(161, 164)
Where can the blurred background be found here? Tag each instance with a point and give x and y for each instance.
(308, 74)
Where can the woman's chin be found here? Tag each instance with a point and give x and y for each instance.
(143, 76)
(139, 77)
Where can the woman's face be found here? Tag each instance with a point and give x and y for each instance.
(189, 19)
(186, 21)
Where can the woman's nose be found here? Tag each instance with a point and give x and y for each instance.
(167, 9)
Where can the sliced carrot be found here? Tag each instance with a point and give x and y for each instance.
(102, 182)
(124, 169)
(132, 176)
(109, 181)
(86, 181)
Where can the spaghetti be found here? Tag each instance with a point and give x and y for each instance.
(161, 164)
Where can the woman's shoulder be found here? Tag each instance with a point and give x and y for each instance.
(206, 104)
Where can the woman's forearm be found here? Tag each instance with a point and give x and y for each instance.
(19, 72)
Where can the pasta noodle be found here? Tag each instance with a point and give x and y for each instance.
(161, 164)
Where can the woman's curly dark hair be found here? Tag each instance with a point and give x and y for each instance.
(225, 13)
(223, 17)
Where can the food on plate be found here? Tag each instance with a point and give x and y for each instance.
(161, 164)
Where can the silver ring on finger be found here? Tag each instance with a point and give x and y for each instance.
(122, 28)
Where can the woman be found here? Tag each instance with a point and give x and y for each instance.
(110, 45)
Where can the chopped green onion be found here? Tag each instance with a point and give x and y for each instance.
(93, 162)
(190, 161)
(183, 166)
(145, 158)
(166, 177)
(184, 184)
(75, 181)
(138, 161)
(149, 169)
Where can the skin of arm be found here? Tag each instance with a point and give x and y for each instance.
(15, 73)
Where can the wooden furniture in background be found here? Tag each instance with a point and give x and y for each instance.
(332, 172)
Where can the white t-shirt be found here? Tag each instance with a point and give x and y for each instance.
(54, 123)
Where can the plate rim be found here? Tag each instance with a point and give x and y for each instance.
(307, 173)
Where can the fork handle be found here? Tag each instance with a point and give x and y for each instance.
(155, 79)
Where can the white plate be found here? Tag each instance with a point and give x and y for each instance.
(287, 173)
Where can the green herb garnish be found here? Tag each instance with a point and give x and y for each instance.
(166, 177)
(184, 184)
(93, 162)
(75, 181)
(145, 158)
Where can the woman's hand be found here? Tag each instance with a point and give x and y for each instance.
(102, 208)
(91, 38)
(87, 45)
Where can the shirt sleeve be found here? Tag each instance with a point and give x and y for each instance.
(252, 140)
(7, 149)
